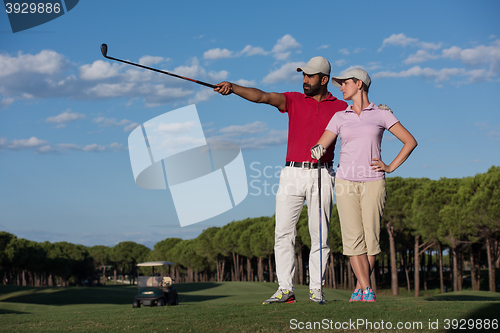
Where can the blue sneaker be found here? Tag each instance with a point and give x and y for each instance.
(357, 296)
(368, 295)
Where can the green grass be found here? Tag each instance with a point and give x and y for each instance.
(229, 307)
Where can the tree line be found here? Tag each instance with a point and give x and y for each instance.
(443, 228)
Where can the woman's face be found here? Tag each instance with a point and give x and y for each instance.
(349, 89)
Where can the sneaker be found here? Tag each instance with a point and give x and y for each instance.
(281, 296)
(357, 296)
(315, 295)
(368, 295)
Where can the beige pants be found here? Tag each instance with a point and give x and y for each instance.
(360, 206)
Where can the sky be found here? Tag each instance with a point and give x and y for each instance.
(66, 112)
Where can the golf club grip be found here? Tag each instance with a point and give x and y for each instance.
(163, 72)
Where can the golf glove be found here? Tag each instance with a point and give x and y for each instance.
(317, 151)
(384, 107)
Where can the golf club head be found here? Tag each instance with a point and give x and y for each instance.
(104, 50)
(322, 302)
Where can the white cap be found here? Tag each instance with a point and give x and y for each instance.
(316, 65)
(357, 73)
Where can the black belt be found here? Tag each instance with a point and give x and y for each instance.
(308, 165)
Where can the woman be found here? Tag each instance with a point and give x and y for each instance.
(360, 180)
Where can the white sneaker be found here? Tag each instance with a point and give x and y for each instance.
(281, 296)
(315, 295)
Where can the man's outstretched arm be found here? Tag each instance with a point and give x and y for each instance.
(252, 94)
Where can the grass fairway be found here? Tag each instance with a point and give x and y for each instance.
(237, 307)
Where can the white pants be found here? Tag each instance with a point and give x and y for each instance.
(296, 186)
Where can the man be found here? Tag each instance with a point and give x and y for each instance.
(308, 114)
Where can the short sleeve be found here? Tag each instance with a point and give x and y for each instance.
(334, 124)
(389, 119)
(288, 102)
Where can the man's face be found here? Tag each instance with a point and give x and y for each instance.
(311, 84)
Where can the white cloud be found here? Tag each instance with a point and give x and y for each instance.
(482, 62)
(173, 128)
(269, 139)
(151, 60)
(6, 101)
(32, 142)
(340, 62)
(246, 83)
(494, 134)
(403, 41)
(46, 62)
(371, 66)
(398, 40)
(255, 127)
(431, 46)
(272, 138)
(102, 80)
(65, 117)
(250, 50)
(135, 75)
(482, 125)
(478, 56)
(116, 146)
(430, 73)
(108, 122)
(194, 70)
(217, 53)
(218, 76)
(69, 146)
(160, 94)
(46, 149)
(344, 51)
(254, 135)
(108, 90)
(97, 80)
(94, 148)
(131, 127)
(284, 45)
(201, 96)
(39, 146)
(287, 72)
(99, 70)
(420, 56)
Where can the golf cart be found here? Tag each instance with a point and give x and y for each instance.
(155, 289)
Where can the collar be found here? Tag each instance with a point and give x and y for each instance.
(329, 97)
(370, 107)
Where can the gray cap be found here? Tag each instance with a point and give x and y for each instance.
(357, 73)
(316, 65)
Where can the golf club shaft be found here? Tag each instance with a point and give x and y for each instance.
(320, 231)
(104, 50)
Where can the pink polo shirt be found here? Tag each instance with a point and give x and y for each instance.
(360, 137)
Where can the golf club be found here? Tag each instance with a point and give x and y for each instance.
(104, 51)
(320, 234)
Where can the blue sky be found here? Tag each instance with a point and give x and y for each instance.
(66, 112)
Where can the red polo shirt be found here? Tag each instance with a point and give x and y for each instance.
(307, 120)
